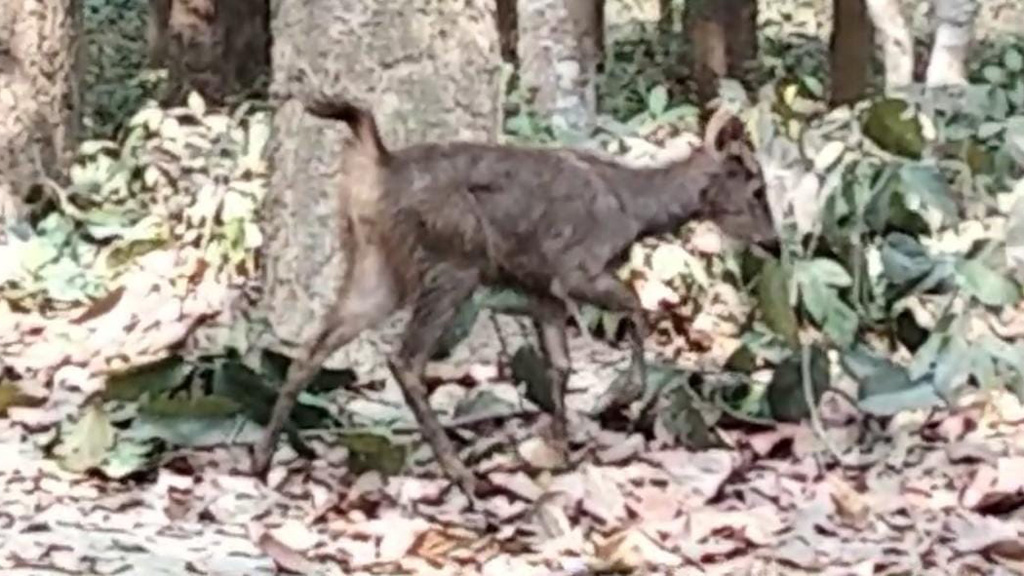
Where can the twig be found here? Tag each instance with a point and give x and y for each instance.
(819, 428)
(503, 355)
(724, 406)
(466, 421)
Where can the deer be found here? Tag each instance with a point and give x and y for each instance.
(425, 225)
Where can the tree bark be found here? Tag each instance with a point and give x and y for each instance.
(560, 48)
(954, 28)
(665, 18)
(851, 50)
(156, 32)
(723, 34)
(39, 65)
(897, 45)
(508, 30)
(219, 48)
(429, 71)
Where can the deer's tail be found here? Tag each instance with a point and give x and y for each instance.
(359, 120)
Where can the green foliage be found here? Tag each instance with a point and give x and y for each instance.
(883, 193)
(182, 177)
(896, 198)
(179, 401)
(116, 81)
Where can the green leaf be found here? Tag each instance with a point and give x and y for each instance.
(482, 402)
(1010, 354)
(274, 366)
(824, 271)
(773, 300)
(818, 298)
(506, 301)
(520, 125)
(994, 74)
(247, 388)
(813, 85)
(657, 100)
(986, 285)
(924, 358)
(741, 360)
(918, 397)
(610, 323)
(194, 408)
(990, 129)
(128, 457)
(888, 125)
(1013, 60)
(373, 452)
(155, 377)
(925, 182)
(528, 366)
(841, 324)
(85, 445)
(328, 380)
(874, 374)
(904, 259)
(1015, 225)
(785, 390)
(950, 370)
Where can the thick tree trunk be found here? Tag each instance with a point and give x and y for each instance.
(954, 27)
(665, 18)
(723, 34)
(851, 51)
(156, 32)
(428, 70)
(560, 48)
(897, 45)
(219, 48)
(39, 60)
(508, 31)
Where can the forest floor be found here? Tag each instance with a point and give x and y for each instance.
(934, 493)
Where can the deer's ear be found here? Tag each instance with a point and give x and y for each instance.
(732, 131)
(723, 128)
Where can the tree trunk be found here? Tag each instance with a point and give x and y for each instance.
(954, 26)
(723, 34)
(665, 19)
(508, 32)
(560, 48)
(897, 45)
(851, 50)
(429, 71)
(39, 60)
(156, 32)
(219, 48)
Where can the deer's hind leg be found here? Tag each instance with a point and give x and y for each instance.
(368, 296)
(606, 291)
(445, 287)
(549, 316)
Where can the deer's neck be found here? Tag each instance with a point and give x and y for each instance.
(663, 198)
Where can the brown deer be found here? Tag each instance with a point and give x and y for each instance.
(429, 223)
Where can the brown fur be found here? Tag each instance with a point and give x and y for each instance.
(430, 223)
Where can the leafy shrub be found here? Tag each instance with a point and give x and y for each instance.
(180, 175)
(116, 81)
